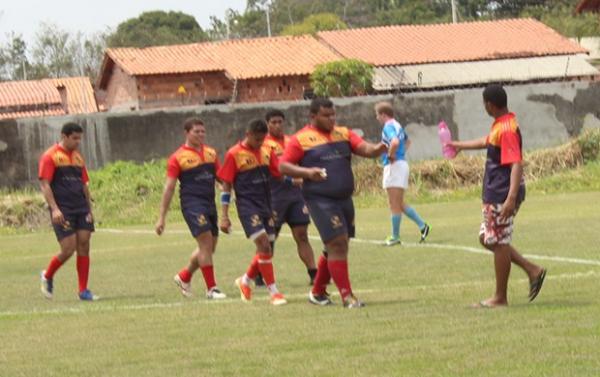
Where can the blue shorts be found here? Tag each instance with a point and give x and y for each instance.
(201, 220)
(332, 217)
(254, 225)
(73, 223)
(292, 212)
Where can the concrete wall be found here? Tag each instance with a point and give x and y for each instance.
(549, 114)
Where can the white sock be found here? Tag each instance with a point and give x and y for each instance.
(272, 289)
(246, 280)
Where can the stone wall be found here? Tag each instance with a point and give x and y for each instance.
(549, 114)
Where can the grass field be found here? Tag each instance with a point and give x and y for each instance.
(418, 320)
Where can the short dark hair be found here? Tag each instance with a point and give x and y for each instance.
(257, 126)
(71, 128)
(274, 113)
(496, 95)
(189, 123)
(318, 102)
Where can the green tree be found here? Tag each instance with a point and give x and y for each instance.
(52, 52)
(315, 23)
(157, 28)
(346, 77)
(13, 58)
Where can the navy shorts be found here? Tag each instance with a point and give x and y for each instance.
(332, 217)
(254, 225)
(292, 212)
(201, 220)
(73, 223)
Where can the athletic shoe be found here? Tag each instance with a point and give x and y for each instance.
(391, 240)
(46, 285)
(87, 295)
(352, 302)
(425, 232)
(245, 290)
(215, 294)
(321, 300)
(186, 288)
(278, 299)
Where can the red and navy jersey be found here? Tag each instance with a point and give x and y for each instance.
(249, 172)
(504, 148)
(66, 172)
(312, 147)
(196, 170)
(280, 190)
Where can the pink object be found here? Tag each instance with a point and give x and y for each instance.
(448, 151)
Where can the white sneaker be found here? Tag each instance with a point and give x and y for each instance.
(215, 294)
(186, 288)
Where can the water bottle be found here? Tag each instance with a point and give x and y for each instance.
(448, 151)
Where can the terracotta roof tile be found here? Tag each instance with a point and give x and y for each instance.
(20, 99)
(80, 94)
(241, 59)
(276, 56)
(195, 57)
(469, 41)
(22, 93)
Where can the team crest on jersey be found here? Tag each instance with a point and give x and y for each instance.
(202, 220)
(271, 222)
(305, 210)
(255, 221)
(336, 222)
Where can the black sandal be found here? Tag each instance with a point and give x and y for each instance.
(536, 285)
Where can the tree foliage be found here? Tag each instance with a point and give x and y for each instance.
(348, 77)
(315, 23)
(157, 28)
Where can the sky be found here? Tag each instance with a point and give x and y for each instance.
(24, 16)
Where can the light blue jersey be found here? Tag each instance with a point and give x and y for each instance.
(393, 130)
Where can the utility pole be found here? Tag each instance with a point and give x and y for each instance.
(268, 10)
(454, 13)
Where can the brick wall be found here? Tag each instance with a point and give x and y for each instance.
(158, 91)
(272, 89)
(121, 92)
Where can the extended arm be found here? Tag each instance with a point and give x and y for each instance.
(167, 195)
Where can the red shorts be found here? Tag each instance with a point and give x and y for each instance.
(494, 229)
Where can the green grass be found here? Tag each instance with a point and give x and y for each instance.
(417, 323)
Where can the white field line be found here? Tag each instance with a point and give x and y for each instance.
(426, 245)
(98, 307)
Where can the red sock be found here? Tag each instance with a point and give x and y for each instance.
(209, 276)
(265, 265)
(185, 275)
(322, 278)
(253, 268)
(83, 271)
(339, 273)
(53, 266)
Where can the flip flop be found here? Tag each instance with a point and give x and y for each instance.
(536, 285)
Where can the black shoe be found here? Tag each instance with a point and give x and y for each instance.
(321, 300)
(258, 281)
(425, 232)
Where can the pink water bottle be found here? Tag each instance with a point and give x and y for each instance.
(448, 151)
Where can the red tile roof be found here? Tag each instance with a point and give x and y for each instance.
(195, 57)
(469, 41)
(277, 56)
(21, 93)
(80, 94)
(588, 5)
(240, 59)
(33, 98)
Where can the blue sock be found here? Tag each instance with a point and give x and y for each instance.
(396, 225)
(412, 214)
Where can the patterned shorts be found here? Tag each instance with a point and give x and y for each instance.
(494, 229)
